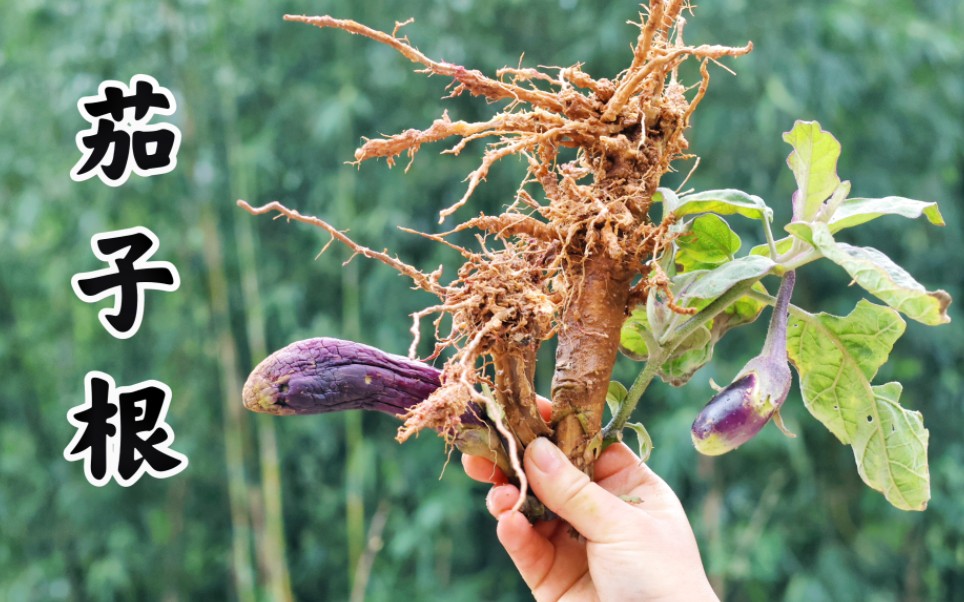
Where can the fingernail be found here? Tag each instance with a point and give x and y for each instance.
(545, 455)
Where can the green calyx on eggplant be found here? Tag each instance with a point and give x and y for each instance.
(741, 409)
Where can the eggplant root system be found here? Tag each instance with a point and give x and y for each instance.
(578, 256)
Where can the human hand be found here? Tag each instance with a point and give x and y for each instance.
(641, 549)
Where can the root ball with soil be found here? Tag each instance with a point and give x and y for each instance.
(572, 254)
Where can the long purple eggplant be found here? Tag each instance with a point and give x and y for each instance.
(321, 375)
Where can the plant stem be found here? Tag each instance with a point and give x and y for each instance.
(769, 234)
(658, 355)
(800, 259)
(777, 333)
(674, 337)
(771, 300)
(585, 354)
(635, 393)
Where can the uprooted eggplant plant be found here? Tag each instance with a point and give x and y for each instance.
(579, 256)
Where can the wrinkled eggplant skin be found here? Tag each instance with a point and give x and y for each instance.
(322, 375)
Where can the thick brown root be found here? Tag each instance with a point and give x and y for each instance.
(588, 343)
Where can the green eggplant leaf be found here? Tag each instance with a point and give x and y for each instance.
(814, 165)
(707, 242)
(890, 446)
(800, 230)
(697, 349)
(692, 354)
(884, 279)
(744, 310)
(854, 212)
(659, 316)
(667, 196)
(636, 336)
(615, 396)
(837, 358)
(713, 283)
(726, 201)
(643, 439)
(783, 246)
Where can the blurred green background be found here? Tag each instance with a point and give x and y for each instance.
(330, 507)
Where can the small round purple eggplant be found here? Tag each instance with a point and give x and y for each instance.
(740, 410)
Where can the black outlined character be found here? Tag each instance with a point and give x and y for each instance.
(119, 117)
(98, 429)
(129, 274)
(110, 425)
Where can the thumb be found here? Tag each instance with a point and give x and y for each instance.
(595, 513)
